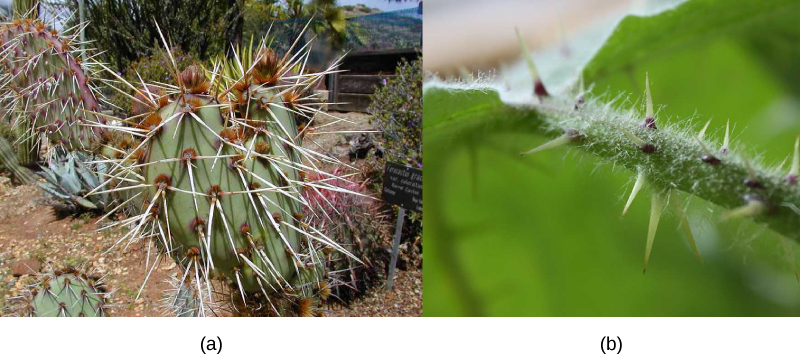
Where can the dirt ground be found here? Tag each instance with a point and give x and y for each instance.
(29, 229)
(334, 143)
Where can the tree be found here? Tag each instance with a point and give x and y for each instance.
(126, 29)
(329, 19)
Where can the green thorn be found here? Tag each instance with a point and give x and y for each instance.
(687, 229)
(636, 187)
(752, 208)
(702, 132)
(637, 141)
(538, 87)
(656, 207)
(528, 58)
(557, 142)
(727, 139)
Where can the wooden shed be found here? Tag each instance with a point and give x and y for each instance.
(365, 71)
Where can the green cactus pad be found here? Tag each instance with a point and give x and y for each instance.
(67, 294)
(48, 85)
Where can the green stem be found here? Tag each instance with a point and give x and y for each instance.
(677, 162)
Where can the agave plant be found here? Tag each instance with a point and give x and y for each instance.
(71, 175)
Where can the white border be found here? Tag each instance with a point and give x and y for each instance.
(400, 336)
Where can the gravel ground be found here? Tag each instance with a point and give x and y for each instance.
(405, 299)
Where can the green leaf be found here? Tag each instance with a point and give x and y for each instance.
(695, 23)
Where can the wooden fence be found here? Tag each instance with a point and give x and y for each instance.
(351, 92)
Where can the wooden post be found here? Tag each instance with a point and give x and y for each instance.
(333, 91)
(401, 216)
(402, 186)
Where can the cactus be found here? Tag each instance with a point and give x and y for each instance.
(221, 177)
(67, 293)
(25, 8)
(183, 300)
(49, 87)
(357, 223)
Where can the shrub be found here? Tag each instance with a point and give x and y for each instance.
(397, 110)
(126, 29)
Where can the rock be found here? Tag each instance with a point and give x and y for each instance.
(339, 151)
(361, 145)
(26, 266)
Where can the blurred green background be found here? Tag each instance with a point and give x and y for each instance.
(541, 235)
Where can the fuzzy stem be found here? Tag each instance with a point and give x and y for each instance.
(678, 162)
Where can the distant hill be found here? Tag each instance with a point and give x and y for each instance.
(359, 10)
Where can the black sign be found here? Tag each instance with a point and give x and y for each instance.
(403, 186)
